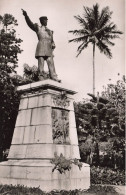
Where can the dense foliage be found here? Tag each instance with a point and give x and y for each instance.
(101, 127)
(9, 99)
(100, 175)
(9, 102)
(9, 43)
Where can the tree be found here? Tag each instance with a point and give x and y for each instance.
(9, 43)
(9, 98)
(98, 30)
(115, 93)
(102, 119)
(9, 102)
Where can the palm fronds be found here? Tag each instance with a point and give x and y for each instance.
(97, 29)
(96, 26)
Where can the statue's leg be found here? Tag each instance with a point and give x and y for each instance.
(41, 68)
(51, 67)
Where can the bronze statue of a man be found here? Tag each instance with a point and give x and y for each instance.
(45, 46)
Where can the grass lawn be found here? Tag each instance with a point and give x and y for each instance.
(21, 190)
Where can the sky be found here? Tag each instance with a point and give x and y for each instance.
(75, 72)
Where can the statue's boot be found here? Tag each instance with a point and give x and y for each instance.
(55, 78)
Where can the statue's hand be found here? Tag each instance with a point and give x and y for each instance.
(53, 46)
(24, 12)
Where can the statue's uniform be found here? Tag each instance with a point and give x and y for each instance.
(45, 37)
(44, 46)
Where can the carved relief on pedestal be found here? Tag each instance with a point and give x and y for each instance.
(61, 100)
(60, 125)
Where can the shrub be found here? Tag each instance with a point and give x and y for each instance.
(22, 190)
(100, 175)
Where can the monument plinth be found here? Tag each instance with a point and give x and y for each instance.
(45, 125)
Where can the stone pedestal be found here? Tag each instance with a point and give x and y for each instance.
(45, 124)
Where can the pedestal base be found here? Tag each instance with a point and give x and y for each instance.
(45, 124)
(38, 173)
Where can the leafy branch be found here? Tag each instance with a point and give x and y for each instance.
(62, 164)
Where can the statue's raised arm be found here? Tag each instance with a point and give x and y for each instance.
(28, 21)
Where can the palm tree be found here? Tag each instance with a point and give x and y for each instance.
(96, 29)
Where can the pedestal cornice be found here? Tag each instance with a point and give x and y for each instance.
(46, 84)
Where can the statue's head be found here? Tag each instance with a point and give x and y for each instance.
(43, 20)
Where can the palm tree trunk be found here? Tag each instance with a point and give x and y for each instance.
(94, 69)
